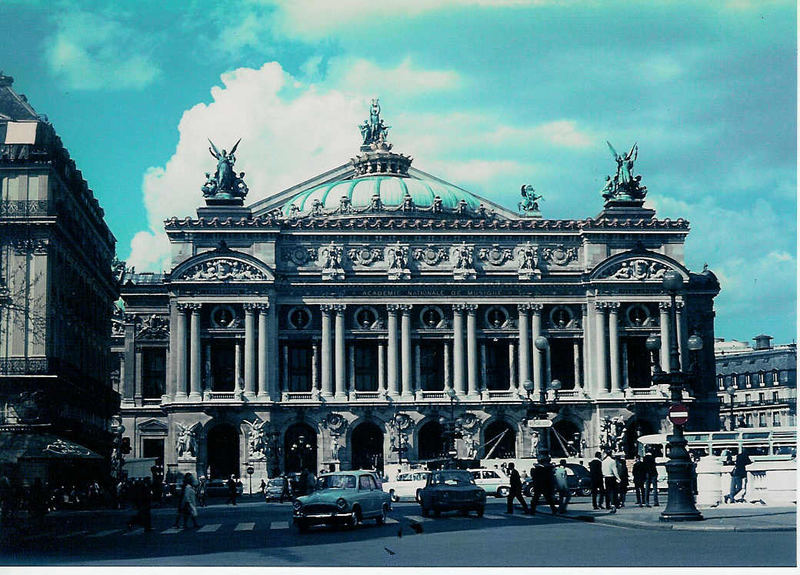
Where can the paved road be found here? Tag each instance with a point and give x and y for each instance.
(258, 534)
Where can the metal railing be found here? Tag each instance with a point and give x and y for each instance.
(23, 208)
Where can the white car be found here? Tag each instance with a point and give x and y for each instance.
(407, 485)
(492, 481)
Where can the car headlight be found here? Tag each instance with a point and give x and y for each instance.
(341, 504)
(297, 505)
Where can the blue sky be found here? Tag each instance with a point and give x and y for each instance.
(489, 95)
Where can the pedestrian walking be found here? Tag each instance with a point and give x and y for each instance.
(562, 485)
(141, 494)
(189, 501)
(286, 491)
(543, 484)
(232, 490)
(263, 487)
(622, 488)
(201, 491)
(516, 490)
(611, 481)
(738, 477)
(596, 475)
(639, 477)
(651, 480)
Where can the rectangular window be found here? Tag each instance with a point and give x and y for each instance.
(747, 398)
(775, 397)
(562, 362)
(775, 377)
(154, 372)
(300, 358)
(761, 397)
(762, 419)
(760, 378)
(153, 447)
(497, 366)
(747, 380)
(776, 419)
(366, 366)
(431, 359)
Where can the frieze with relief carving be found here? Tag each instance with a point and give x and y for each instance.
(463, 259)
(495, 255)
(331, 262)
(397, 258)
(223, 269)
(528, 260)
(299, 255)
(365, 255)
(431, 255)
(635, 269)
(559, 255)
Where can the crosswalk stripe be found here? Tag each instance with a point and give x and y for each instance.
(390, 521)
(245, 527)
(170, 531)
(278, 525)
(137, 531)
(417, 518)
(495, 517)
(209, 528)
(105, 533)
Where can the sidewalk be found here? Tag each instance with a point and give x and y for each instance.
(728, 517)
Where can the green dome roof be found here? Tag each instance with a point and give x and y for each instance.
(391, 190)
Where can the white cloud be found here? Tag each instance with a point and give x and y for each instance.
(90, 52)
(364, 76)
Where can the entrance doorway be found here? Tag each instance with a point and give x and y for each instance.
(223, 451)
(565, 440)
(430, 441)
(223, 364)
(500, 440)
(366, 446)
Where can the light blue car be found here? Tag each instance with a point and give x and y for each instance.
(342, 498)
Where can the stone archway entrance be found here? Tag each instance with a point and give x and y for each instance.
(366, 447)
(300, 448)
(222, 446)
(635, 428)
(430, 441)
(500, 441)
(565, 440)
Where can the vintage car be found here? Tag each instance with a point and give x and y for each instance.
(275, 488)
(492, 481)
(451, 490)
(578, 479)
(342, 498)
(407, 485)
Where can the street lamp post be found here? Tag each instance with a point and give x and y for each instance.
(541, 411)
(731, 390)
(680, 500)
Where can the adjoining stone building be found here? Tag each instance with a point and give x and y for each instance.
(56, 294)
(760, 382)
(323, 326)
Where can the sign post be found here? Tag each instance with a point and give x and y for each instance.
(250, 472)
(678, 414)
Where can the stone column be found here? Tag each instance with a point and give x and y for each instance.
(624, 366)
(405, 354)
(524, 343)
(600, 348)
(339, 350)
(272, 352)
(536, 330)
(194, 365)
(417, 369)
(382, 367)
(458, 349)
(315, 367)
(137, 388)
(588, 376)
(613, 340)
(207, 382)
(448, 381)
(351, 369)
(391, 351)
(263, 338)
(663, 312)
(682, 335)
(472, 351)
(180, 356)
(237, 378)
(285, 370)
(327, 355)
(484, 379)
(576, 360)
(512, 366)
(249, 351)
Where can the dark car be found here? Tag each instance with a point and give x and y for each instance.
(451, 490)
(219, 488)
(274, 488)
(580, 483)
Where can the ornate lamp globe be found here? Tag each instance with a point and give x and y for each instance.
(528, 385)
(695, 343)
(653, 343)
(731, 389)
(672, 281)
(442, 420)
(451, 393)
(541, 343)
(555, 385)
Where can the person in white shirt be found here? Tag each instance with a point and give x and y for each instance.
(610, 479)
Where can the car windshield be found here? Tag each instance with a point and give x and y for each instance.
(336, 482)
(451, 478)
(275, 482)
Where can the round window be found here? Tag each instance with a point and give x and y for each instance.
(496, 317)
(223, 316)
(638, 315)
(431, 317)
(366, 317)
(299, 317)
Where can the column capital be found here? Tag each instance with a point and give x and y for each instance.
(664, 306)
(471, 308)
(192, 307)
(536, 308)
(523, 307)
(261, 306)
(327, 307)
(250, 307)
(338, 307)
(600, 305)
(405, 308)
(392, 307)
(679, 306)
(613, 306)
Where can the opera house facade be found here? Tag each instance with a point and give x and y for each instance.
(376, 313)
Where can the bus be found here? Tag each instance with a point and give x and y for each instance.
(765, 444)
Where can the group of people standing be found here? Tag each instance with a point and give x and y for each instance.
(610, 480)
(547, 481)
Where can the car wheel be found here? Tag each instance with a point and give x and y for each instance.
(355, 518)
(381, 519)
(394, 496)
(584, 492)
(479, 511)
(302, 526)
(418, 497)
(425, 511)
(503, 491)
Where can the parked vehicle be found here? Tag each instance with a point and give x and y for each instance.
(492, 481)
(342, 498)
(274, 488)
(407, 485)
(219, 488)
(451, 490)
(578, 479)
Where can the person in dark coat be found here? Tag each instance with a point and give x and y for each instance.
(622, 486)
(639, 475)
(232, 491)
(738, 476)
(651, 480)
(596, 474)
(543, 484)
(515, 482)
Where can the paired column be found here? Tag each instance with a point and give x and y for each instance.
(263, 338)
(458, 349)
(405, 361)
(613, 337)
(180, 356)
(663, 311)
(448, 381)
(249, 351)
(341, 380)
(512, 366)
(472, 350)
(524, 343)
(327, 374)
(382, 368)
(391, 351)
(536, 330)
(600, 349)
(576, 361)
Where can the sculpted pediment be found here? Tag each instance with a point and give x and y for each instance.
(228, 268)
(636, 268)
(153, 426)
